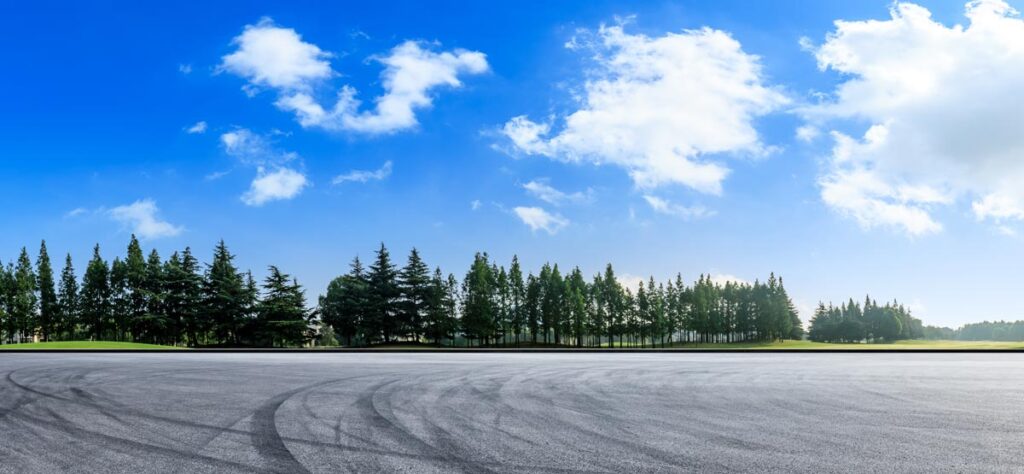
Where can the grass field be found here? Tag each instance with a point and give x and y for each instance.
(899, 345)
(76, 345)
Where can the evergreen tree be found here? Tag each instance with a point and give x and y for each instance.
(7, 292)
(26, 301)
(120, 299)
(532, 311)
(154, 323)
(478, 302)
(344, 306)
(283, 318)
(517, 299)
(223, 297)
(383, 298)
(135, 290)
(414, 285)
(95, 297)
(68, 307)
(47, 295)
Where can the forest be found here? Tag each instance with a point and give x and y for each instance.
(852, 322)
(179, 301)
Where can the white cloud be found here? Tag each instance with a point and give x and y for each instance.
(256, 150)
(141, 217)
(669, 208)
(76, 212)
(280, 184)
(545, 192)
(276, 57)
(660, 107)
(944, 108)
(539, 219)
(409, 75)
(198, 128)
(998, 207)
(214, 176)
(185, 69)
(253, 149)
(362, 176)
(272, 56)
(807, 133)
(475, 204)
(858, 190)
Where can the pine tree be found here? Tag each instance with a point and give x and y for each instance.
(135, 291)
(250, 310)
(154, 323)
(517, 295)
(283, 318)
(436, 324)
(68, 307)
(95, 297)
(48, 307)
(191, 299)
(344, 306)
(26, 302)
(120, 299)
(383, 298)
(414, 285)
(478, 304)
(8, 291)
(223, 297)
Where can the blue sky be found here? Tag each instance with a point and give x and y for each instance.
(730, 138)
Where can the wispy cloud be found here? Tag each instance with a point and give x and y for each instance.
(663, 206)
(275, 179)
(197, 129)
(540, 189)
(539, 219)
(362, 176)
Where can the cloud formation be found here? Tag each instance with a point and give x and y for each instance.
(540, 189)
(141, 218)
(663, 206)
(661, 107)
(198, 128)
(362, 176)
(539, 219)
(277, 185)
(275, 179)
(270, 56)
(943, 108)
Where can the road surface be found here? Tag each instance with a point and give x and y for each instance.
(471, 412)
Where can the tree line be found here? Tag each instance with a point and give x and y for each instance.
(983, 331)
(179, 301)
(176, 301)
(495, 306)
(852, 322)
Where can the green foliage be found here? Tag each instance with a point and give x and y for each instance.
(852, 322)
(283, 318)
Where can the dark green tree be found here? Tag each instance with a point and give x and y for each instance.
(414, 286)
(383, 296)
(48, 307)
(283, 317)
(95, 297)
(68, 306)
(223, 297)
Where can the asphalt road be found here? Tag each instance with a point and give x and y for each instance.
(511, 412)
